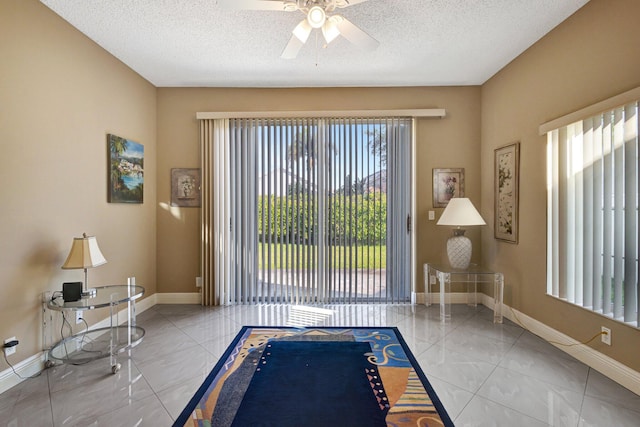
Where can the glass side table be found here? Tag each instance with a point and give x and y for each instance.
(97, 343)
(471, 276)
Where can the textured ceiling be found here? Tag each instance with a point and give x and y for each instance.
(422, 42)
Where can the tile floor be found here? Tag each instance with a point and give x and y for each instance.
(485, 374)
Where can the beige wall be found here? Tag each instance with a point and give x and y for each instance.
(450, 142)
(60, 94)
(592, 56)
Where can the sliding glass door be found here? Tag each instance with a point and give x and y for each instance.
(318, 210)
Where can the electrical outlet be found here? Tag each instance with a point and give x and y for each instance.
(432, 280)
(198, 282)
(606, 335)
(78, 317)
(432, 215)
(8, 351)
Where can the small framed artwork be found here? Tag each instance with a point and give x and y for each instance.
(507, 178)
(447, 184)
(125, 169)
(185, 187)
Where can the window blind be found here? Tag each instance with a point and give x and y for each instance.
(308, 210)
(592, 202)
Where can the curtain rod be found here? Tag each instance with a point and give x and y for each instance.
(429, 112)
(590, 111)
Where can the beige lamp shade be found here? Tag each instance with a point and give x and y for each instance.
(84, 253)
(460, 212)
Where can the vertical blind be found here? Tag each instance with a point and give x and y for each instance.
(592, 232)
(306, 210)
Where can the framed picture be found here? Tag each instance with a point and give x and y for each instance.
(185, 187)
(125, 169)
(447, 184)
(507, 177)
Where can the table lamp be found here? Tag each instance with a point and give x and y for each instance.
(459, 213)
(85, 254)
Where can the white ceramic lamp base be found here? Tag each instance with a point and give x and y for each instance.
(459, 250)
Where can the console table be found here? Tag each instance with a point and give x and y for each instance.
(97, 343)
(472, 275)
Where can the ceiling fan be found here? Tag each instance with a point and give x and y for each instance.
(318, 16)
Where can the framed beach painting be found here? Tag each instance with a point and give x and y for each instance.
(185, 187)
(126, 170)
(447, 184)
(507, 177)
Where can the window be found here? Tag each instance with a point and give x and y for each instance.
(311, 210)
(592, 202)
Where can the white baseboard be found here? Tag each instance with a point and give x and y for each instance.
(602, 363)
(179, 298)
(455, 298)
(417, 298)
(25, 368)
(146, 304)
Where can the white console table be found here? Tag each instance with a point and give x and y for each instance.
(471, 276)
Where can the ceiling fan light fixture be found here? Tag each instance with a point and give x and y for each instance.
(330, 29)
(302, 31)
(316, 17)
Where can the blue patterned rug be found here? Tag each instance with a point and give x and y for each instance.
(286, 377)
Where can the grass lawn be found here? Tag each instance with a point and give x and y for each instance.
(285, 256)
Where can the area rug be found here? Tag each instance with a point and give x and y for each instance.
(286, 377)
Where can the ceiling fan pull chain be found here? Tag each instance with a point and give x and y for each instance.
(317, 51)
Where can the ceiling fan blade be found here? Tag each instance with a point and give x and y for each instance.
(345, 3)
(252, 4)
(331, 6)
(355, 35)
(292, 49)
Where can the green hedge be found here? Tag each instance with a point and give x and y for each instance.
(291, 256)
(352, 220)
